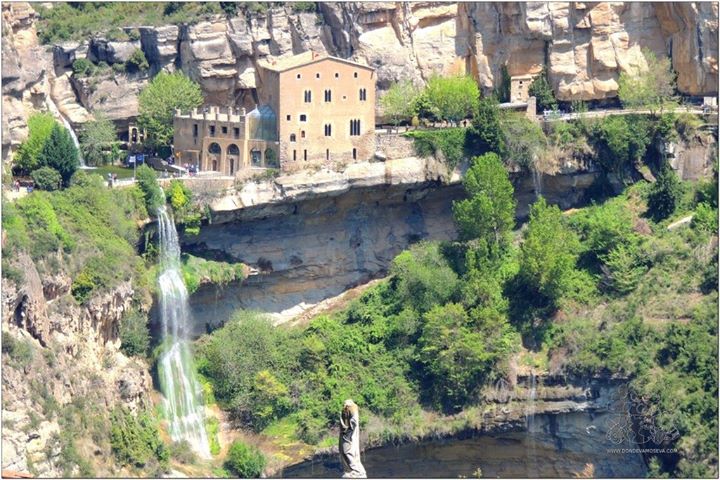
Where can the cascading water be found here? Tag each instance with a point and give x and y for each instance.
(55, 111)
(537, 177)
(183, 394)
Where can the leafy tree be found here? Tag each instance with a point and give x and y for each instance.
(60, 153)
(543, 92)
(664, 195)
(486, 133)
(623, 267)
(137, 61)
(134, 334)
(490, 211)
(83, 67)
(548, 254)
(524, 140)
(96, 137)
(399, 101)
(453, 98)
(454, 355)
(152, 193)
(621, 140)
(652, 88)
(47, 178)
(158, 102)
(40, 127)
(424, 277)
(245, 461)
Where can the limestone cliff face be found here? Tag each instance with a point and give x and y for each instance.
(585, 45)
(75, 363)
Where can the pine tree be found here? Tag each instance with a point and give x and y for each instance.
(60, 153)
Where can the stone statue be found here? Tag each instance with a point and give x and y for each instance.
(350, 441)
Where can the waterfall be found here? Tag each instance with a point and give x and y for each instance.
(183, 393)
(537, 181)
(55, 111)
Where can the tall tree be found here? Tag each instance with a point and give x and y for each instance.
(60, 153)
(543, 92)
(547, 255)
(651, 88)
(453, 98)
(665, 194)
(490, 211)
(98, 136)
(40, 126)
(158, 102)
(486, 134)
(399, 101)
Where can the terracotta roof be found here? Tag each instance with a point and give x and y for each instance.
(302, 59)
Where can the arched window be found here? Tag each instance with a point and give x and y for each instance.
(328, 130)
(233, 149)
(292, 137)
(363, 94)
(328, 95)
(308, 96)
(354, 153)
(214, 148)
(302, 133)
(354, 128)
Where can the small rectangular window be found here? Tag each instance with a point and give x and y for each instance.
(355, 74)
(305, 155)
(317, 75)
(288, 117)
(195, 130)
(224, 130)
(327, 154)
(303, 118)
(355, 152)
(212, 130)
(294, 155)
(236, 132)
(299, 76)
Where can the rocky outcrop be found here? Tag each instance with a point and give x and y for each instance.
(585, 47)
(563, 430)
(60, 357)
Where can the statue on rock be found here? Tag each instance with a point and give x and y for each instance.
(350, 441)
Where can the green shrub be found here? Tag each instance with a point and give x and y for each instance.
(27, 157)
(245, 461)
(119, 68)
(448, 141)
(20, 351)
(47, 178)
(212, 427)
(298, 7)
(137, 61)
(135, 439)
(542, 91)
(147, 182)
(664, 195)
(423, 277)
(82, 67)
(134, 334)
(706, 218)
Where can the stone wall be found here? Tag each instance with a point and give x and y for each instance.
(394, 145)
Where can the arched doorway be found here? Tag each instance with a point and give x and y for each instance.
(214, 153)
(233, 156)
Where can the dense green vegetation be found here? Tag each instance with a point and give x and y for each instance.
(135, 440)
(81, 20)
(197, 271)
(543, 92)
(605, 291)
(87, 230)
(244, 461)
(97, 139)
(652, 87)
(26, 159)
(158, 101)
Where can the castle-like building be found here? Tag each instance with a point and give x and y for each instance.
(313, 110)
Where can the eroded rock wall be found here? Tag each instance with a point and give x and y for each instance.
(585, 46)
(59, 356)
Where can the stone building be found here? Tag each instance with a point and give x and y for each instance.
(519, 85)
(226, 140)
(314, 110)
